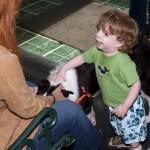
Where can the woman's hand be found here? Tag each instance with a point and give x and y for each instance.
(58, 94)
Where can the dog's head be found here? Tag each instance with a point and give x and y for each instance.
(45, 88)
(70, 86)
(70, 89)
(85, 99)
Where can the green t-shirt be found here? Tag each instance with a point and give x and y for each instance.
(115, 74)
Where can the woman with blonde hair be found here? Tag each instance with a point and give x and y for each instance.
(18, 106)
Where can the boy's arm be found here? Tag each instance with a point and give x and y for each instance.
(121, 110)
(132, 94)
(75, 62)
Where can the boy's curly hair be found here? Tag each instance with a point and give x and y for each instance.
(118, 23)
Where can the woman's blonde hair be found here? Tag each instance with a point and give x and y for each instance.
(118, 23)
(8, 11)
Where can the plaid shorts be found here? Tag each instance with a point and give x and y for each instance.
(132, 128)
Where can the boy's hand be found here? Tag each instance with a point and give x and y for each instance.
(120, 110)
(59, 76)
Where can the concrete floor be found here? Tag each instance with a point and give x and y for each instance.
(78, 29)
(72, 24)
(74, 27)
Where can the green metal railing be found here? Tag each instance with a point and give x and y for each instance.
(51, 114)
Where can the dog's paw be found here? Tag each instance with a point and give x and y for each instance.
(147, 119)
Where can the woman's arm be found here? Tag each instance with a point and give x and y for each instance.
(14, 91)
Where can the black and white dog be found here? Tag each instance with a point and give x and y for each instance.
(79, 86)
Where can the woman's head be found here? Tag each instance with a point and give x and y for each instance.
(8, 12)
(118, 23)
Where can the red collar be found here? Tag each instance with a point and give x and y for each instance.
(84, 94)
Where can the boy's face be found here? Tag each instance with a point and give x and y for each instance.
(106, 42)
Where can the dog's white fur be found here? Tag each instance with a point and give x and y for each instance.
(148, 100)
(71, 82)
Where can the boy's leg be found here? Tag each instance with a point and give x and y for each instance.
(71, 119)
(132, 128)
(136, 146)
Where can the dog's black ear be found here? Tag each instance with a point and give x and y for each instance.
(66, 93)
(51, 89)
(43, 86)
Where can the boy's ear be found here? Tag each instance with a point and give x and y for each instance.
(119, 44)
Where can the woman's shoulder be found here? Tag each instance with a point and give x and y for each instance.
(6, 54)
